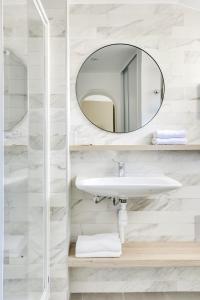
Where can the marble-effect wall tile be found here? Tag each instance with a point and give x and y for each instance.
(168, 33)
(137, 296)
(24, 156)
(169, 216)
(57, 13)
(148, 217)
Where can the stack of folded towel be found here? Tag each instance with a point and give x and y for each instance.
(99, 245)
(169, 137)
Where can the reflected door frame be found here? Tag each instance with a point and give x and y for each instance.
(131, 90)
(46, 291)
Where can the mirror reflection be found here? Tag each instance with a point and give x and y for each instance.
(120, 88)
(15, 84)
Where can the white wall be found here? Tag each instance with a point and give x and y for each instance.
(151, 81)
(59, 156)
(1, 157)
(170, 33)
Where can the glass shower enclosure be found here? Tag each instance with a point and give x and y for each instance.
(25, 150)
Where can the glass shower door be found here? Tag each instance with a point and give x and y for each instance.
(26, 151)
(38, 150)
(1, 154)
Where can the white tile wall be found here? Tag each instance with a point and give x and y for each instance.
(57, 14)
(170, 33)
(18, 205)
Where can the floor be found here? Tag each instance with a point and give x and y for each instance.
(137, 296)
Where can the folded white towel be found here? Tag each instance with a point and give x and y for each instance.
(99, 245)
(165, 134)
(99, 254)
(172, 141)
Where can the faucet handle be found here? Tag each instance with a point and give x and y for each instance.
(121, 168)
(120, 163)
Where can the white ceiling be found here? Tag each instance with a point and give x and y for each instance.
(112, 58)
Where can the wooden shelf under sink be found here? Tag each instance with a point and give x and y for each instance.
(191, 147)
(144, 254)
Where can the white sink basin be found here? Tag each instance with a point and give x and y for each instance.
(126, 186)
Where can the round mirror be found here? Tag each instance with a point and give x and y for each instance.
(120, 88)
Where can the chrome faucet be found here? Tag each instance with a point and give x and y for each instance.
(121, 168)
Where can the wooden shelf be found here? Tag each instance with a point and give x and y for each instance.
(144, 254)
(191, 147)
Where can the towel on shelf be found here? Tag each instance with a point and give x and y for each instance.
(165, 134)
(171, 141)
(99, 245)
(99, 254)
